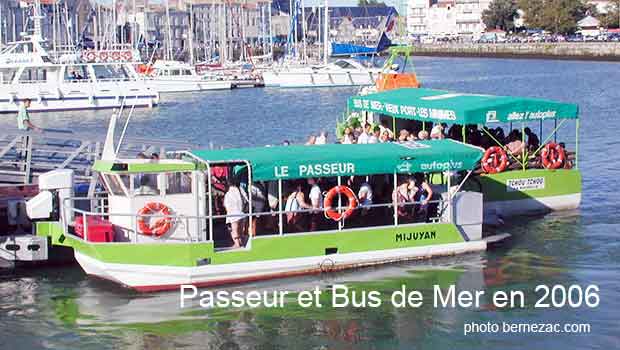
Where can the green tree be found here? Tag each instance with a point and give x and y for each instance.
(611, 19)
(557, 16)
(501, 14)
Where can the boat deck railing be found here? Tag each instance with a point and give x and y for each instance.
(24, 155)
(203, 225)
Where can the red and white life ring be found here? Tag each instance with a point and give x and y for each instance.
(159, 226)
(116, 56)
(127, 56)
(553, 156)
(330, 211)
(103, 56)
(89, 56)
(494, 160)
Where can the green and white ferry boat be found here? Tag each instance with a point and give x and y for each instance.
(160, 224)
(533, 181)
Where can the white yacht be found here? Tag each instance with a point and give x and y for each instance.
(28, 72)
(175, 76)
(342, 72)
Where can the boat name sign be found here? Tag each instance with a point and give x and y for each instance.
(528, 184)
(310, 170)
(411, 111)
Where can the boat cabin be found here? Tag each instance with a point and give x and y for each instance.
(217, 195)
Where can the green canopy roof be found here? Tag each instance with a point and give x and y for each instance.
(445, 106)
(293, 162)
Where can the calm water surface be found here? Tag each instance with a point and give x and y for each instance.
(62, 309)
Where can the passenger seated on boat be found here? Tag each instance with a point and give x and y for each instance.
(532, 140)
(348, 137)
(437, 132)
(147, 186)
(311, 140)
(155, 157)
(455, 132)
(295, 202)
(384, 128)
(364, 195)
(403, 135)
(423, 135)
(375, 135)
(235, 202)
(321, 139)
(515, 145)
(385, 137)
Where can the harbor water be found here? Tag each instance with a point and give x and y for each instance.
(61, 308)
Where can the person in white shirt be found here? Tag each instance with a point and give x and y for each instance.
(235, 201)
(365, 135)
(374, 137)
(348, 137)
(365, 196)
(321, 139)
(316, 200)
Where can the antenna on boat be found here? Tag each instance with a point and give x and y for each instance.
(108, 147)
(133, 107)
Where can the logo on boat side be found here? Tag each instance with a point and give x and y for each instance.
(416, 236)
(492, 117)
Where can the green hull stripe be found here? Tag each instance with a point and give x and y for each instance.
(556, 183)
(263, 248)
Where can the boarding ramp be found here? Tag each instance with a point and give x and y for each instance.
(25, 155)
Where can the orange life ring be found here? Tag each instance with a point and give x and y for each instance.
(103, 56)
(494, 160)
(332, 213)
(160, 226)
(553, 156)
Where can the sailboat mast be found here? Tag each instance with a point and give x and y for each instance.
(191, 33)
(169, 44)
(326, 33)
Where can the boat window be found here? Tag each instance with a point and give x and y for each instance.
(187, 72)
(175, 72)
(110, 72)
(33, 75)
(7, 75)
(145, 184)
(76, 73)
(344, 64)
(117, 185)
(179, 183)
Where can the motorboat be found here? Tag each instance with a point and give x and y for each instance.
(176, 76)
(341, 72)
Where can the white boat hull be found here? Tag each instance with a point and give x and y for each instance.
(77, 96)
(155, 277)
(308, 78)
(170, 86)
(529, 206)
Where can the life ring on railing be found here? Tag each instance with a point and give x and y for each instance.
(127, 56)
(332, 213)
(90, 56)
(116, 56)
(494, 160)
(161, 225)
(103, 56)
(553, 156)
